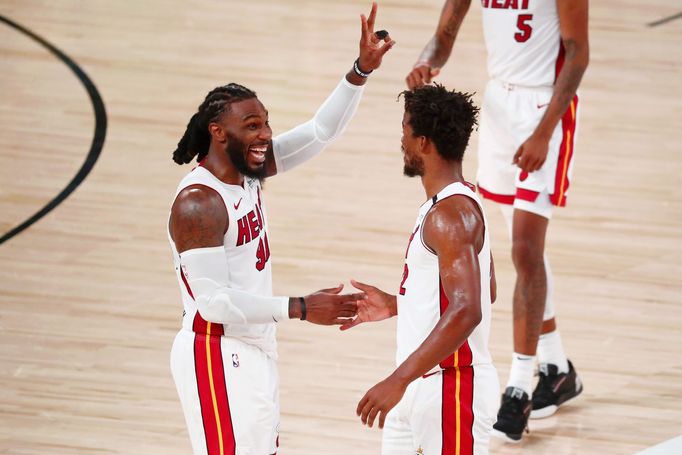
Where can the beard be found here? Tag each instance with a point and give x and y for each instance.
(414, 166)
(237, 152)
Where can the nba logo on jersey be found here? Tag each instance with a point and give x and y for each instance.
(235, 360)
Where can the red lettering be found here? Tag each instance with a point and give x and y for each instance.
(263, 253)
(259, 213)
(253, 224)
(504, 4)
(243, 234)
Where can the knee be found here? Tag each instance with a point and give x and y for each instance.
(527, 255)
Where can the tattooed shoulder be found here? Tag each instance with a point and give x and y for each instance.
(198, 218)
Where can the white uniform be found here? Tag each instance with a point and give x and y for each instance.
(215, 359)
(226, 374)
(525, 55)
(452, 408)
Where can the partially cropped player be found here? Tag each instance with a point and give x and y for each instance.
(537, 53)
(224, 358)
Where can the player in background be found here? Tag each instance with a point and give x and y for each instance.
(442, 396)
(537, 54)
(223, 359)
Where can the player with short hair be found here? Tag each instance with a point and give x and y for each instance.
(442, 396)
(223, 359)
(537, 54)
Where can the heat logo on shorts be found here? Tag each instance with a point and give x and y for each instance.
(235, 360)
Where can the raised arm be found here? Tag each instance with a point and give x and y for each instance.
(438, 49)
(305, 141)
(198, 223)
(453, 229)
(573, 20)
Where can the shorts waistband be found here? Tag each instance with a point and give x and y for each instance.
(517, 87)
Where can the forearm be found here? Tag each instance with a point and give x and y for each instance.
(448, 335)
(305, 141)
(439, 48)
(231, 306)
(575, 64)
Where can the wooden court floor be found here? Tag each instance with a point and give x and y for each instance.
(88, 300)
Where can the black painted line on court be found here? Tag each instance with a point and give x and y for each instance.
(97, 139)
(665, 20)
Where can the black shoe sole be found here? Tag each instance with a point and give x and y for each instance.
(508, 437)
(549, 410)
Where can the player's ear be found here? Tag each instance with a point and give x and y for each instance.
(424, 144)
(217, 132)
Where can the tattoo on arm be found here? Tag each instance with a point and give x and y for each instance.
(198, 219)
(438, 49)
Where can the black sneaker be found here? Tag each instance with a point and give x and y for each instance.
(553, 389)
(512, 418)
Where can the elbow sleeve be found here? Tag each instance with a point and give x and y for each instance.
(207, 273)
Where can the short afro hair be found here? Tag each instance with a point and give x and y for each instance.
(445, 117)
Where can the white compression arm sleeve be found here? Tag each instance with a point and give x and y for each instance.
(207, 273)
(302, 143)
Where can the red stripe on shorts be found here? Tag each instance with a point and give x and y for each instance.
(526, 195)
(457, 414)
(215, 406)
(499, 198)
(561, 181)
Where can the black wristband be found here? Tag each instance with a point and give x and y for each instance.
(303, 308)
(358, 70)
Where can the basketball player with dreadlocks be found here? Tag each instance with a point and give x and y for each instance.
(223, 359)
(537, 54)
(441, 398)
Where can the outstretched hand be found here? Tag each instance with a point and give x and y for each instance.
(372, 48)
(330, 307)
(376, 305)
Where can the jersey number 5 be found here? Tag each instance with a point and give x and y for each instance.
(525, 30)
(263, 253)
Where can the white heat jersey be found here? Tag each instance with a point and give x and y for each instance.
(422, 301)
(523, 41)
(248, 258)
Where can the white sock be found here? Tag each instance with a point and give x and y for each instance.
(521, 372)
(551, 350)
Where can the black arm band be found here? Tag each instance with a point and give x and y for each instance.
(303, 308)
(358, 70)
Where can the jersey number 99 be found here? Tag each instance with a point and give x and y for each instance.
(263, 253)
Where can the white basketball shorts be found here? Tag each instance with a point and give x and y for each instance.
(509, 116)
(451, 411)
(229, 394)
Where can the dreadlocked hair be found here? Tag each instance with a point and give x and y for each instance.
(196, 140)
(445, 117)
